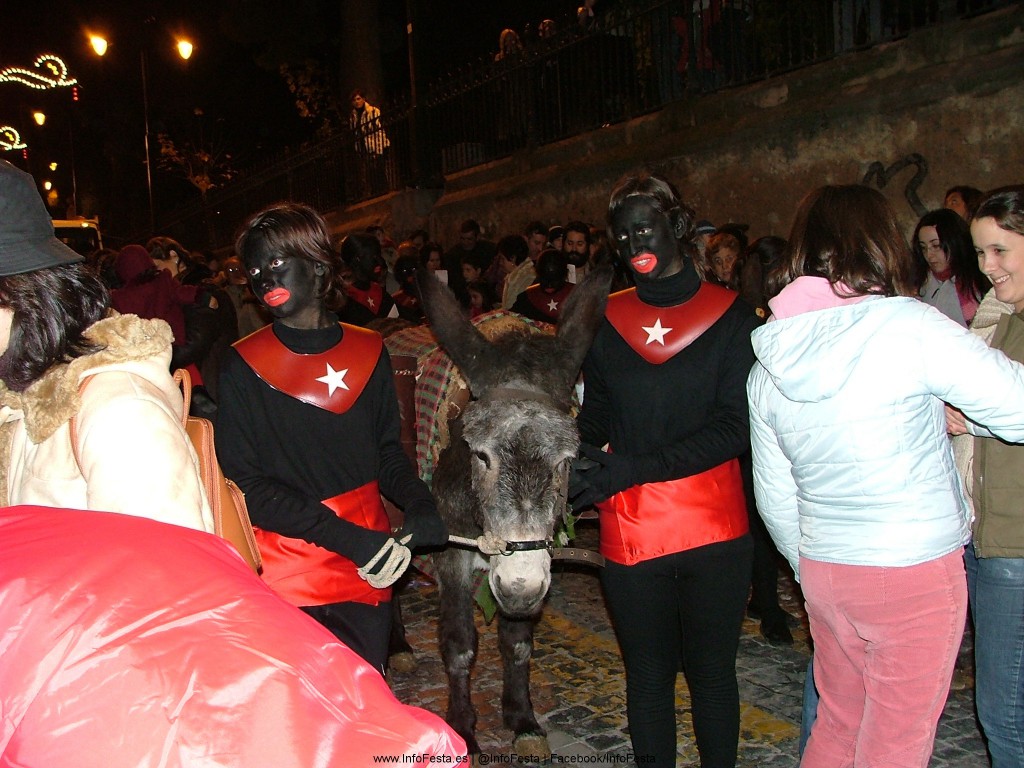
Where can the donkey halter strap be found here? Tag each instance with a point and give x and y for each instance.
(489, 544)
(512, 393)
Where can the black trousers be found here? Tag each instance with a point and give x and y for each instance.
(363, 628)
(687, 606)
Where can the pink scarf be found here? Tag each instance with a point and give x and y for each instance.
(809, 294)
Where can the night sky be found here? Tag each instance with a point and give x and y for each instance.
(229, 90)
(224, 77)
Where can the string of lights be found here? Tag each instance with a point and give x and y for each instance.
(37, 78)
(10, 139)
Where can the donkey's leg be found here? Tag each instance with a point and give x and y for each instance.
(515, 639)
(458, 639)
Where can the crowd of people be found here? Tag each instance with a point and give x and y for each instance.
(825, 397)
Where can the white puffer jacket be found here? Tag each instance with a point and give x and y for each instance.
(852, 463)
(135, 455)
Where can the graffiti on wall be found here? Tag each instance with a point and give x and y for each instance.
(881, 175)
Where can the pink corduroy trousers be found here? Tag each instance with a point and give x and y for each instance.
(885, 640)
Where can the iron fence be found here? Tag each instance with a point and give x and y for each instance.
(637, 58)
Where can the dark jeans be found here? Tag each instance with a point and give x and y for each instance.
(363, 628)
(996, 588)
(809, 711)
(687, 606)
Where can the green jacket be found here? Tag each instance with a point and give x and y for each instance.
(999, 470)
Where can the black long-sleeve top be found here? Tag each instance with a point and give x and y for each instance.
(681, 417)
(287, 455)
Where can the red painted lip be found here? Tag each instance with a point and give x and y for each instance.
(276, 297)
(644, 262)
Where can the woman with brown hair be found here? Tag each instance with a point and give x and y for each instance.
(309, 429)
(993, 470)
(66, 359)
(854, 473)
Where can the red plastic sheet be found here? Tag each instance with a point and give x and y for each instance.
(128, 642)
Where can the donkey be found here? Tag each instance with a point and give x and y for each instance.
(503, 474)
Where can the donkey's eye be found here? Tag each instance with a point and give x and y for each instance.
(481, 456)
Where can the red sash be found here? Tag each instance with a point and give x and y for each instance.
(548, 304)
(655, 519)
(306, 574)
(332, 380)
(657, 334)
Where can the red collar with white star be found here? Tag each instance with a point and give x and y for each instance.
(332, 380)
(658, 334)
(549, 304)
(372, 298)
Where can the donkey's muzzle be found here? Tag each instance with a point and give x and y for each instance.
(520, 583)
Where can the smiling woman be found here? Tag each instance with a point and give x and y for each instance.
(995, 556)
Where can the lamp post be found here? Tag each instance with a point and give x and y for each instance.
(184, 50)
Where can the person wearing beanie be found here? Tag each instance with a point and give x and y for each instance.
(67, 360)
(556, 237)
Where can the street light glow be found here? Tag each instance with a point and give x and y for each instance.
(53, 166)
(98, 43)
(185, 49)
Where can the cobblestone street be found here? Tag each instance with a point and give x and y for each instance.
(578, 685)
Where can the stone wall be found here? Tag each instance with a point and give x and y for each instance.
(943, 106)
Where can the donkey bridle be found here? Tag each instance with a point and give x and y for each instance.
(574, 554)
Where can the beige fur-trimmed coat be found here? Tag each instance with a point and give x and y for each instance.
(135, 456)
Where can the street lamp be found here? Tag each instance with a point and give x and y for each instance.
(184, 49)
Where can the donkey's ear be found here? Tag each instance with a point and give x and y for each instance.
(582, 316)
(465, 345)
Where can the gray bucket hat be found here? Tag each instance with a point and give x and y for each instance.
(27, 242)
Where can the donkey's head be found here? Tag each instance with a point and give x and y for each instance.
(519, 437)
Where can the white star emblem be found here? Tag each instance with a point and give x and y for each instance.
(334, 379)
(552, 306)
(369, 302)
(656, 332)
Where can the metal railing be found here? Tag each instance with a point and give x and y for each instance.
(634, 60)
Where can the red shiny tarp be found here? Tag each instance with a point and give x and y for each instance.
(128, 642)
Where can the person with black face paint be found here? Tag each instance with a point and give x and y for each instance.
(367, 299)
(665, 393)
(407, 297)
(309, 428)
(543, 301)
